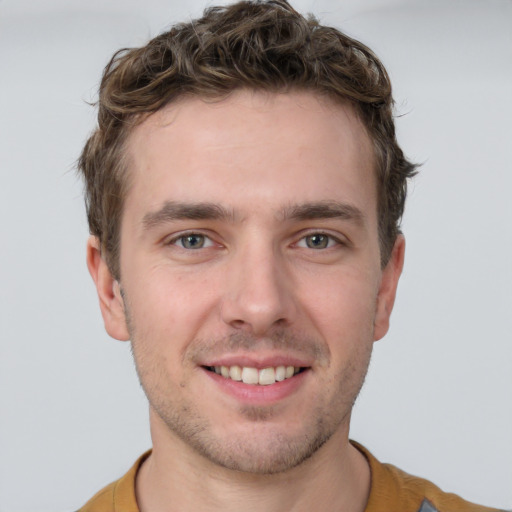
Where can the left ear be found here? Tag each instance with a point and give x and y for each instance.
(387, 289)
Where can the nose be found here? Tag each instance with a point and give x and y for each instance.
(259, 291)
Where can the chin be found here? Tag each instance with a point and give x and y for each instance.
(260, 447)
(270, 456)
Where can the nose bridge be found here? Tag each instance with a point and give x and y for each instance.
(259, 292)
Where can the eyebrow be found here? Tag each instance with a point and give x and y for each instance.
(174, 210)
(323, 210)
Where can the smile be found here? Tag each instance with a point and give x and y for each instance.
(263, 377)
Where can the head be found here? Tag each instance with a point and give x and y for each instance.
(244, 190)
(255, 45)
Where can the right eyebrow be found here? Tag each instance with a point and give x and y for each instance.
(175, 210)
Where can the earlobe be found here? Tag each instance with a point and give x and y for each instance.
(109, 293)
(387, 289)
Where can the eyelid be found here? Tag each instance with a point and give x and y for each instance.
(338, 239)
(176, 237)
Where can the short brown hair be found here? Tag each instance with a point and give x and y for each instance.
(258, 45)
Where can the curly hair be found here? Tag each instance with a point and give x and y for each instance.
(257, 45)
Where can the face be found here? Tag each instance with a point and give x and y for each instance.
(251, 284)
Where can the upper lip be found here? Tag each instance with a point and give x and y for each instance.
(258, 361)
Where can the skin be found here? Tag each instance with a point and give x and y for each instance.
(285, 266)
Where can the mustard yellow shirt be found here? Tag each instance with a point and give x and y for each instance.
(392, 490)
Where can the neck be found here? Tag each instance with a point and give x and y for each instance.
(176, 478)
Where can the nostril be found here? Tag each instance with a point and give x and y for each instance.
(257, 312)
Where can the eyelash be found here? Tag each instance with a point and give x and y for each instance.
(179, 240)
(182, 236)
(332, 241)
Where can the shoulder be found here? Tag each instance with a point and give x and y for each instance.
(102, 501)
(428, 496)
(119, 496)
(394, 489)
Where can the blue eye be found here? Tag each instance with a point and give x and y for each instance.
(193, 241)
(317, 241)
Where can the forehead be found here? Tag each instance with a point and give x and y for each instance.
(251, 149)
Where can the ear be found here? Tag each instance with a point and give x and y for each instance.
(387, 289)
(109, 292)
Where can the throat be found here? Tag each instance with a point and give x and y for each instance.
(172, 488)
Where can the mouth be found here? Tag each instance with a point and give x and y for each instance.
(254, 376)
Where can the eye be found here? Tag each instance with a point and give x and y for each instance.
(192, 241)
(318, 241)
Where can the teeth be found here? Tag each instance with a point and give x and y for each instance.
(250, 375)
(263, 377)
(280, 373)
(267, 376)
(235, 372)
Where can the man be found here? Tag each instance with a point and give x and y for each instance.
(244, 190)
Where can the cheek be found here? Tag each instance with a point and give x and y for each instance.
(169, 308)
(341, 303)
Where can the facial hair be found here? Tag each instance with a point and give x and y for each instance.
(259, 444)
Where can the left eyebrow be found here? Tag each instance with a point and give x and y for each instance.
(323, 210)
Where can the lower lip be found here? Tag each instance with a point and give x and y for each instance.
(255, 394)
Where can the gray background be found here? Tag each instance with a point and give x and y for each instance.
(437, 401)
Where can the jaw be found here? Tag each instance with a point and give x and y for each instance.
(253, 429)
(251, 443)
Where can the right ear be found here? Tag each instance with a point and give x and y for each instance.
(109, 292)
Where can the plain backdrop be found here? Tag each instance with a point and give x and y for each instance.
(437, 401)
